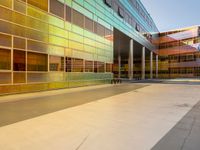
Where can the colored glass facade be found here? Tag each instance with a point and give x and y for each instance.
(179, 53)
(52, 44)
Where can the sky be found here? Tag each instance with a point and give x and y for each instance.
(173, 14)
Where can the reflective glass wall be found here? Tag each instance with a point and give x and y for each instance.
(50, 44)
(179, 53)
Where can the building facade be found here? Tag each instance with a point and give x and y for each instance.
(179, 53)
(51, 44)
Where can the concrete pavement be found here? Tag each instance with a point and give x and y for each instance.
(136, 119)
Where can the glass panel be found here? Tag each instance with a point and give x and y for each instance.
(7, 3)
(88, 66)
(56, 63)
(95, 66)
(5, 27)
(37, 46)
(19, 77)
(36, 62)
(42, 4)
(100, 30)
(89, 24)
(78, 19)
(68, 64)
(108, 67)
(57, 8)
(5, 40)
(68, 14)
(5, 59)
(101, 67)
(19, 60)
(37, 77)
(19, 43)
(20, 6)
(77, 65)
(5, 77)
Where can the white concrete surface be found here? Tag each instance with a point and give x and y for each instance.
(131, 121)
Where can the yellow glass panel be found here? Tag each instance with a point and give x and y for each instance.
(42, 4)
(75, 45)
(7, 3)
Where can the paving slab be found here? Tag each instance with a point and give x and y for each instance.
(137, 120)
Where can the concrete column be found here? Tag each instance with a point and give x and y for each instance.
(119, 65)
(151, 65)
(130, 60)
(143, 63)
(156, 66)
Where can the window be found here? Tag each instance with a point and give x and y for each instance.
(100, 30)
(68, 61)
(115, 6)
(56, 63)
(95, 67)
(78, 19)
(42, 4)
(88, 66)
(57, 8)
(5, 77)
(5, 40)
(108, 3)
(68, 15)
(89, 24)
(101, 67)
(108, 67)
(36, 62)
(19, 43)
(77, 65)
(121, 12)
(19, 60)
(5, 59)
(19, 77)
(137, 27)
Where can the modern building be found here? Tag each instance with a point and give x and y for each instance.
(51, 44)
(179, 53)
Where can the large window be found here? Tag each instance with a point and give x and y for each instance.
(57, 8)
(88, 66)
(56, 63)
(108, 67)
(5, 59)
(19, 77)
(77, 65)
(19, 60)
(101, 67)
(37, 62)
(68, 61)
(78, 19)
(42, 4)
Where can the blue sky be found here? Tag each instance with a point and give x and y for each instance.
(173, 14)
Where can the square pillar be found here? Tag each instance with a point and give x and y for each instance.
(119, 65)
(151, 65)
(143, 63)
(156, 66)
(130, 60)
